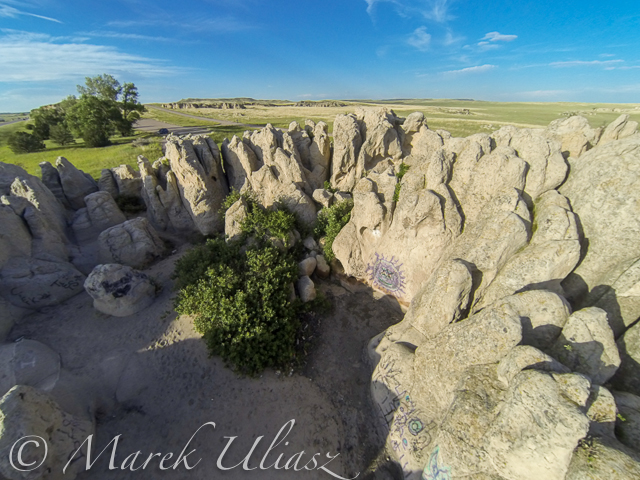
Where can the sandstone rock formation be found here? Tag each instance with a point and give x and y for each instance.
(134, 243)
(602, 189)
(26, 411)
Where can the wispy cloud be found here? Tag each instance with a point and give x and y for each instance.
(491, 39)
(451, 39)
(219, 25)
(420, 39)
(586, 63)
(460, 72)
(468, 70)
(7, 11)
(498, 37)
(127, 36)
(435, 10)
(34, 57)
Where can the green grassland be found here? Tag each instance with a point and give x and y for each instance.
(90, 160)
(460, 117)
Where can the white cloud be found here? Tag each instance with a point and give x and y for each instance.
(32, 57)
(460, 72)
(450, 39)
(8, 11)
(498, 37)
(476, 69)
(585, 63)
(420, 39)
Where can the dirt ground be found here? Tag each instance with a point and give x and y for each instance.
(148, 378)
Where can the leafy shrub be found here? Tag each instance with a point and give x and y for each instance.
(239, 299)
(330, 221)
(23, 142)
(327, 186)
(403, 169)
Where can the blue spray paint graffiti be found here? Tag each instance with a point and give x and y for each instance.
(433, 471)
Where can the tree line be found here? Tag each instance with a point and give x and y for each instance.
(104, 107)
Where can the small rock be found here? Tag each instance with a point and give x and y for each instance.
(309, 243)
(307, 266)
(323, 270)
(306, 289)
(341, 197)
(134, 243)
(323, 197)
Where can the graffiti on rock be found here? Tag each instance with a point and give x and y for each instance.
(386, 275)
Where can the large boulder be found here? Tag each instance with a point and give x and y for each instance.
(603, 191)
(15, 238)
(575, 135)
(75, 183)
(552, 253)
(627, 377)
(34, 283)
(620, 128)
(134, 243)
(586, 345)
(628, 421)
(101, 213)
(28, 362)
(233, 219)
(127, 180)
(543, 315)
(51, 180)
(119, 290)
(28, 412)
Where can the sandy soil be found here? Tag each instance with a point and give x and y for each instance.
(148, 377)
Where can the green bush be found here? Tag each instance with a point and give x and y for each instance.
(330, 221)
(403, 169)
(23, 142)
(239, 299)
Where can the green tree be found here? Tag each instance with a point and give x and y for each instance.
(130, 109)
(44, 118)
(103, 108)
(92, 119)
(61, 134)
(23, 142)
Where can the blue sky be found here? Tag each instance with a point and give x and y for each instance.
(502, 50)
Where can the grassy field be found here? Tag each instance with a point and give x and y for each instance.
(90, 160)
(460, 117)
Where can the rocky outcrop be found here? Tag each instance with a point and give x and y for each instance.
(128, 181)
(574, 134)
(627, 377)
(134, 243)
(620, 128)
(101, 212)
(119, 290)
(35, 283)
(239, 162)
(602, 189)
(195, 162)
(75, 183)
(233, 218)
(347, 141)
(26, 411)
(28, 362)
